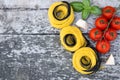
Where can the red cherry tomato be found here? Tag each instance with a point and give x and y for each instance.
(108, 12)
(103, 46)
(116, 23)
(111, 34)
(95, 34)
(101, 23)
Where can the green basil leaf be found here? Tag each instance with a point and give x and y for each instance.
(86, 2)
(77, 6)
(85, 14)
(96, 10)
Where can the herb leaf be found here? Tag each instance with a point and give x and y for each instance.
(86, 2)
(85, 14)
(95, 10)
(77, 6)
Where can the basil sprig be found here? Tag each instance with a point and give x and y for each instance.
(77, 6)
(95, 10)
(86, 2)
(85, 8)
(85, 14)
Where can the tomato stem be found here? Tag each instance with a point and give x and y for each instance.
(107, 26)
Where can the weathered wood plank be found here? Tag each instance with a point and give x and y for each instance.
(25, 22)
(36, 57)
(33, 22)
(45, 4)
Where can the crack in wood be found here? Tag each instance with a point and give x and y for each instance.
(35, 33)
(29, 34)
(23, 9)
(38, 33)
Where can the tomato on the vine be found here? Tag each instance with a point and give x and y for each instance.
(103, 46)
(95, 34)
(116, 23)
(111, 34)
(108, 12)
(101, 23)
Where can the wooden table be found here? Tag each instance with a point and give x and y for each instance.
(30, 48)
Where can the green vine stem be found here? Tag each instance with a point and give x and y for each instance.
(107, 26)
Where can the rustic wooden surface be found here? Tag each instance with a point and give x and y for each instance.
(30, 48)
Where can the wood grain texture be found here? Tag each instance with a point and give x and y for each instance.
(25, 22)
(41, 57)
(37, 4)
